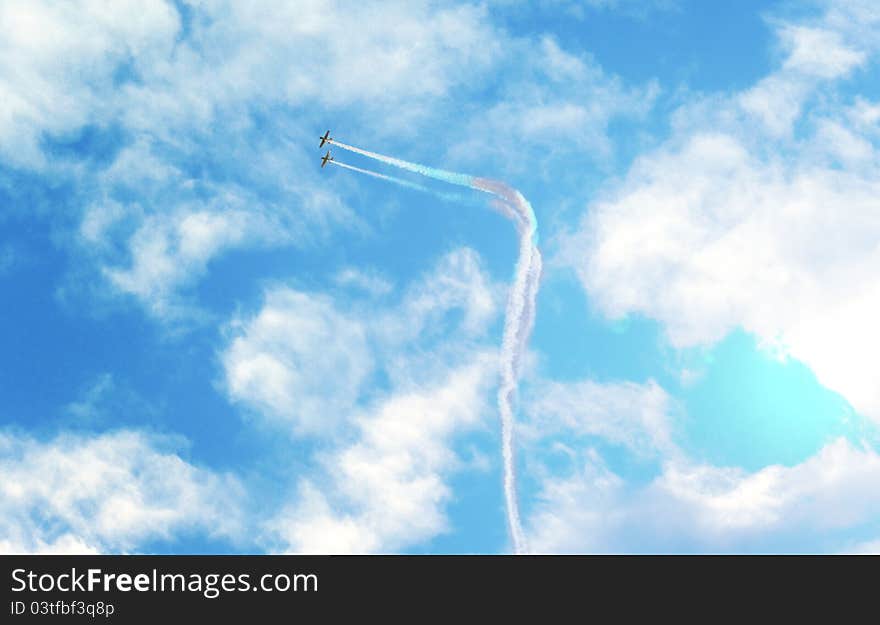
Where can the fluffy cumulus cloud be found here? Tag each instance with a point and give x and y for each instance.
(181, 136)
(759, 212)
(166, 251)
(198, 107)
(388, 489)
(558, 104)
(457, 283)
(106, 493)
(334, 48)
(156, 247)
(301, 362)
(177, 102)
(59, 62)
(69, 65)
(687, 505)
(636, 416)
(692, 507)
(304, 359)
(379, 479)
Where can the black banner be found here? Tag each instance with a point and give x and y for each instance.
(134, 589)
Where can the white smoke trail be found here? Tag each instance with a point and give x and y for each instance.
(450, 197)
(462, 180)
(519, 321)
(520, 314)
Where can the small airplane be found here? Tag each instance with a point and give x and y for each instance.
(326, 158)
(325, 139)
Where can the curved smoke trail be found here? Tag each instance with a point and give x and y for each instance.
(520, 315)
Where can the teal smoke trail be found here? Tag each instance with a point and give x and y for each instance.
(523, 213)
(450, 197)
(462, 180)
(375, 174)
(520, 314)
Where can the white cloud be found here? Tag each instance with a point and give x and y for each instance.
(557, 102)
(157, 246)
(813, 54)
(423, 48)
(696, 507)
(219, 98)
(304, 358)
(370, 282)
(167, 251)
(182, 90)
(299, 361)
(676, 502)
(758, 212)
(458, 282)
(59, 60)
(725, 226)
(88, 406)
(388, 490)
(687, 505)
(634, 415)
(707, 238)
(867, 548)
(107, 493)
(818, 52)
(380, 482)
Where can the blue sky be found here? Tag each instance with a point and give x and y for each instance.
(210, 344)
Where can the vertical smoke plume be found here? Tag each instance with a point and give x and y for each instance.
(520, 315)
